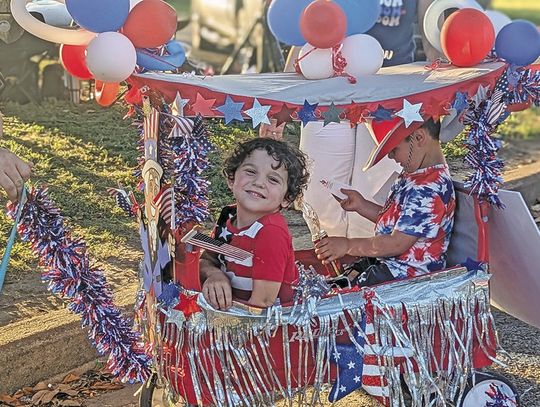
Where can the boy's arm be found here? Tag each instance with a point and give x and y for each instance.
(355, 202)
(333, 248)
(216, 287)
(264, 293)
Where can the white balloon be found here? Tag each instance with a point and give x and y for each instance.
(111, 57)
(363, 53)
(46, 31)
(498, 19)
(434, 11)
(317, 62)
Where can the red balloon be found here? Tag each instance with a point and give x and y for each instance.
(150, 23)
(323, 24)
(73, 58)
(106, 93)
(467, 36)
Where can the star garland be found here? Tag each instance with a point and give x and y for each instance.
(69, 273)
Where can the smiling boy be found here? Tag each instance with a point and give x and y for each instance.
(264, 176)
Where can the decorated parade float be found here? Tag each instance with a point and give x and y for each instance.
(420, 341)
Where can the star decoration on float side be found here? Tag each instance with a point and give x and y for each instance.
(178, 105)
(350, 366)
(175, 317)
(203, 106)
(258, 113)
(231, 110)
(332, 114)
(382, 114)
(284, 115)
(410, 113)
(460, 102)
(307, 113)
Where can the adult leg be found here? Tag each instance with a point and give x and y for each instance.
(331, 152)
(374, 184)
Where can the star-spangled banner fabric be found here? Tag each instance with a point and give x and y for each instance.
(231, 110)
(258, 113)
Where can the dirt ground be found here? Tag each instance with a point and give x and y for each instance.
(25, 297)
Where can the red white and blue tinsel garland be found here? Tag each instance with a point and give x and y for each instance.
(516, 85)
(69, 273)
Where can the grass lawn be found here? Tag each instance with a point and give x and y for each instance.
(525, 9)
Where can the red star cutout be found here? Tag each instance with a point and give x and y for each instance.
(203, 106)
(356, 113)
(284, 115)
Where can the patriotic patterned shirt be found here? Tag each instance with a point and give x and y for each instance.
(269, 240)
(420, 204)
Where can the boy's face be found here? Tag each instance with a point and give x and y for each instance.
(410, 152)
(258, 186)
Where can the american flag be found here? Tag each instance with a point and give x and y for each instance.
(164, 201)
(151, 134)
(373, 381)
(123, 200)
(497, 102)
(206, 242)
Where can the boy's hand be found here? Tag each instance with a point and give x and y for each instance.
(217, 290)
(13, 174)
(353, 202)
(331, 248)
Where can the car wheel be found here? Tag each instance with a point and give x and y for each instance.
(489, 389)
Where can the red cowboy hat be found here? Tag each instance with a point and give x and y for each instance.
(387, 134)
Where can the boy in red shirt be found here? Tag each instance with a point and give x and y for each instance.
(265, 176)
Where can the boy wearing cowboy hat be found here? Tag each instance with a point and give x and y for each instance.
(412, 229)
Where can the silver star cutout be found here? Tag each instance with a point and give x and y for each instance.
(410, 113)
(176, 317)
(258, 113)
(178, 105)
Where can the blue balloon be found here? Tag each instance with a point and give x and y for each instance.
(361, 14)
(518, 43)
(153, 62)
(284, 20)
(99, 15)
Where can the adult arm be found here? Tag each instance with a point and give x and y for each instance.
(431, 52)
(13, 174)
(333, 248)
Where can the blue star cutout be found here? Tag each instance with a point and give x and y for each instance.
(382, 114)
(258, 113)
(169, 295)
(231, 110)
(350, 366)
(460, 103)
(307, 113)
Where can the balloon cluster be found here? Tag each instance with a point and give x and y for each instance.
(469, 34)
(331, 34)
(114, 37)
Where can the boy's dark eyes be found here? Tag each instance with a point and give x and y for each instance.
(249, 171)
(273, 180)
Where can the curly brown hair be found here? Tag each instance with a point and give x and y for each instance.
(294, 160)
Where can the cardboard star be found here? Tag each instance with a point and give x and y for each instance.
(203, 106)
(382, 114)
(231, 110)
(178, 105)
(307, 113)
(258, 113)
(332, 114)
(350, 367)
(354, 114)
(284, 115)
(410, 113)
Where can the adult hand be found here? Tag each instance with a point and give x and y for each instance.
(353, 202)
(13, 174)
(217, 290)
(331, 248)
